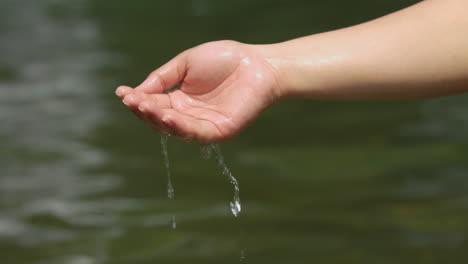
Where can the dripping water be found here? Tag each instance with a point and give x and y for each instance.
(206, 152)
(170, 187)
(173, 222)
(165, 154)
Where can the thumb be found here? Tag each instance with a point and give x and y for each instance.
(165, 77)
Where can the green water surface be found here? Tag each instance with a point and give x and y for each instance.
(82, 180)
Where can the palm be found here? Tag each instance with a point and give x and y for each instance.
(224, 87)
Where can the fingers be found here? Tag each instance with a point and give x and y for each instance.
(183, 126)
(166, 76)
(149, 122)
(122, 91)
(133, 100)
(155, 110)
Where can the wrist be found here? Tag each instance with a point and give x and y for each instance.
(298, 72)
(272, 56)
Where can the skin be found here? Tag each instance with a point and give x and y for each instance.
(418, 52)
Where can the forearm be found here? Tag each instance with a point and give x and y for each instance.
(421, 51)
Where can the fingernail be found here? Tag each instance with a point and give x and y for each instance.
(125, 103)
(142, 109)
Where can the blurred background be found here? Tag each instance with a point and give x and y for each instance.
(82, 180)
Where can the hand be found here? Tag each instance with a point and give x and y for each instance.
(224, 85)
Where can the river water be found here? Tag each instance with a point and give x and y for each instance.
(82, 180)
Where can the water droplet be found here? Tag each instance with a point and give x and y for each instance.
(235, 207)
(170, 191)
(242, 256)
(173, 222)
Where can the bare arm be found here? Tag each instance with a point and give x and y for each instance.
(418, 52)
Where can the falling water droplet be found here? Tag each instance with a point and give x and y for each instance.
(173, 222)
(235, 206)
(242, 256)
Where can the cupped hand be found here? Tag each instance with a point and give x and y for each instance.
(224, 85)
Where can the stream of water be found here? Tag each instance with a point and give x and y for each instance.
(170, 187)
(206, 152)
